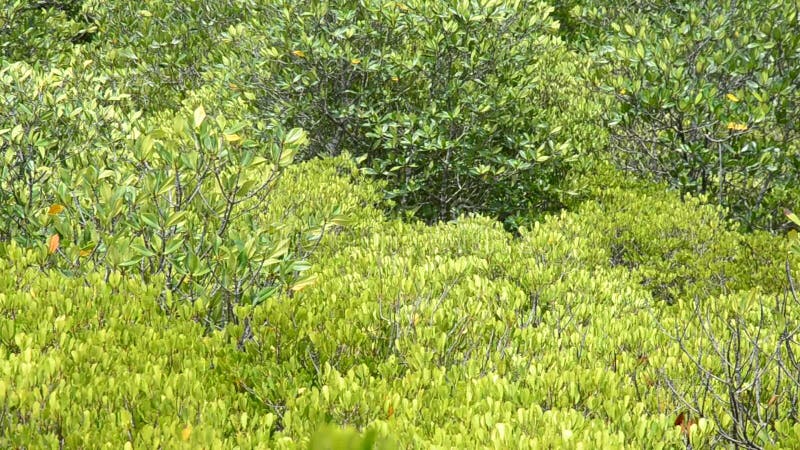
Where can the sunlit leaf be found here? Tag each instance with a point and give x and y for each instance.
(199, 116)
(296, 136)
(304, 282)
(791, 216)
(735, 126)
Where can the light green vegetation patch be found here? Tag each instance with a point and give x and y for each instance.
(451, 335)
(169, 277)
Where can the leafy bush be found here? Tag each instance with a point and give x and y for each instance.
(54, 121)
(461, 335)
(159, 50)
(38, 31)
(677, 252)
(587, 23)
(336, 439)
(461, 107)
(741, 378)
(474, 108)
(92, 184)
(94, 361)
(164, 47)
(708, 101)
(143, 206)
(453, 335)
(115, 369)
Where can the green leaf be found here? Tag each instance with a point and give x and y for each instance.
(151, 220)
(143, 251)
(300, 266)
(630, 30)
(179, 125)
(131, 262)
(175, 218)
(166, 187)
(296, 137)
(173, 245)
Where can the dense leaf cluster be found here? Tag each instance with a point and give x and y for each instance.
(461, 106)
(707, 96)
(169, 277)
(453, 335)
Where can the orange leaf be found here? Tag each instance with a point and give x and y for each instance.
(390, 412)
(55, 210)
(684, 423)
(53, 243)
(687, 428)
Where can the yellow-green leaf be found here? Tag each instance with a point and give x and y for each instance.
(791, 216)
(199, 116)
(186, 434)
(304, 282)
